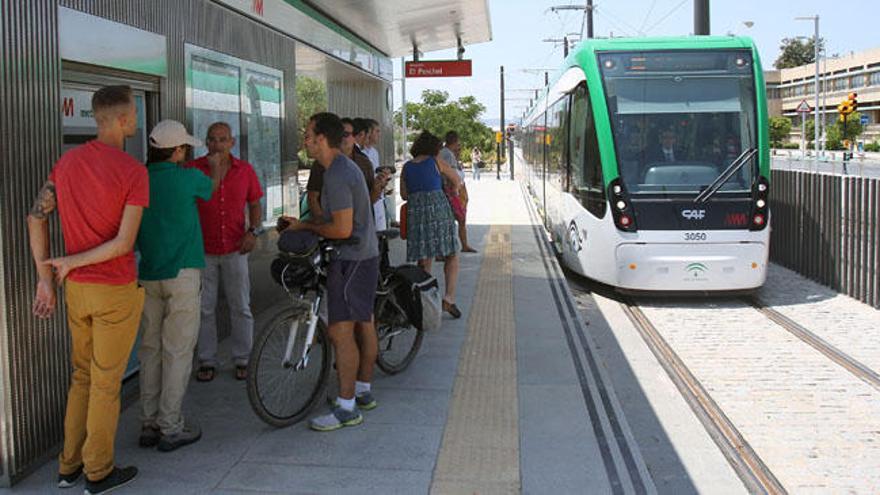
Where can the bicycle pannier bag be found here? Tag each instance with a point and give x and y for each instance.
(419, 295)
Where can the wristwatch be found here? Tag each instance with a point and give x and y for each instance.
(256, 231)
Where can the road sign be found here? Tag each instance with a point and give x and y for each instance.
(439, 68)
(804, 107)
(498, 136)
(864, 119)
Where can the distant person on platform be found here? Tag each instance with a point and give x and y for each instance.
(100, 192)
(450, 154)
(476, 162)
(228, 240)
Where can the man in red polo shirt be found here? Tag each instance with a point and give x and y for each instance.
(227, 244)
(100, 193)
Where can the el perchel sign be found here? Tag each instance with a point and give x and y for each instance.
(439, 68)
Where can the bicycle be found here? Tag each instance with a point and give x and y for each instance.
(290, 361)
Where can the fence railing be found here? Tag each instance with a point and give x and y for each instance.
(826, 228)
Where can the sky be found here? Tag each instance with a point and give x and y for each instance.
(518, 26)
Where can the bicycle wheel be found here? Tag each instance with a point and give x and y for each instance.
(282, 396)
(399, 339)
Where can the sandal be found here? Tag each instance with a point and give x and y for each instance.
(452, 309)
(205, 373)
(241, 372)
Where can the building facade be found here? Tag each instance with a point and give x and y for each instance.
(838, 76)
(196, 61)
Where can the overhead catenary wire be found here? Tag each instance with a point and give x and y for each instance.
(662, 19)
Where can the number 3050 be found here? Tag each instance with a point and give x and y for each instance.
(695, 236)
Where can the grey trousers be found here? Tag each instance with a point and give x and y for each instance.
(233, 269)
(169, 329)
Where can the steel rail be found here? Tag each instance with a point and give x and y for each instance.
(743, 459)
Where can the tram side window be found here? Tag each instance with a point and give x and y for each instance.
(586, 182)
(555, 140)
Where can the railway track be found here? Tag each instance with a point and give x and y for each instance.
(748, 465)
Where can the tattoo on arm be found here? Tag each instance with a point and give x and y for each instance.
(45, 202)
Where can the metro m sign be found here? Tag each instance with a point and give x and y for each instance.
(439, 68)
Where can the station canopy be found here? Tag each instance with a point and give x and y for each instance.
(394, 26)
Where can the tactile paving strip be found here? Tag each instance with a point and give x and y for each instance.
(480, 449)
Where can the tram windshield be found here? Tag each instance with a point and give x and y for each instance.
(680, 118)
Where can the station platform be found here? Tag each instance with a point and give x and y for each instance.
(510, 398)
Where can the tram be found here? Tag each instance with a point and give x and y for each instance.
(649, 162)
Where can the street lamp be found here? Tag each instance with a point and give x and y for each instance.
(815, 20)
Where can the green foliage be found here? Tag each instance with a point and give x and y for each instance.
(811, 130)
(791, 146)
(439, 115)
(854, 127)
(780, 127)
(311, 98)
(795, 52)
(874, 147)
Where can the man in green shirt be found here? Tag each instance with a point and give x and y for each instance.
(171, 259)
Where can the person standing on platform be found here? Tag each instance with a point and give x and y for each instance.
(430, 229)
(476, 162)
(100, 192)
(351, 275)
(367, 144)
(450, 154)
(375, 180)
(227, 244)
(170, 270)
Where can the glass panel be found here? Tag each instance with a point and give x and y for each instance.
(215, 98)
(587, 184)
(262, 105)
(680, 118)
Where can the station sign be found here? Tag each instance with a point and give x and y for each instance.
(804, 107)
(439, 68)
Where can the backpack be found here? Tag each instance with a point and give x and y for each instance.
(418, 293)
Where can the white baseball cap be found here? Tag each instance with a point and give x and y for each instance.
(171, 134)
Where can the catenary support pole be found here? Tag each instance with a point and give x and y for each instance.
(701, 17)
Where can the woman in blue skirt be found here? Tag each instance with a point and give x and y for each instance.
(430, 225)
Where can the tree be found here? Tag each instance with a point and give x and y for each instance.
(780, 127)
(795, 52)
(438, 115)
(311, 98)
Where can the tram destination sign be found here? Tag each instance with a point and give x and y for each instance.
(439, 68)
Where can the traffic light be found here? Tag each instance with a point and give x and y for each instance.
(853, 101)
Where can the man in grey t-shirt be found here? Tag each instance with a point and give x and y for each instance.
(351, 277)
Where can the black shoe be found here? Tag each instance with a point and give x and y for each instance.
(149, 436)
(189, 434)
(117, 478)
(70, 480)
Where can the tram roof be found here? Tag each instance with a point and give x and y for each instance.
(665, 42)
(394, 26)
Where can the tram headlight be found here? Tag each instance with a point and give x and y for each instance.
(761, 203)
(617, 189)
(609, 64)
(762, 187)
(621, 205)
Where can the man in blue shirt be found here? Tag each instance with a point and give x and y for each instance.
(351, 277)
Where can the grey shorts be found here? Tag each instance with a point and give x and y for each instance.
(351, 289)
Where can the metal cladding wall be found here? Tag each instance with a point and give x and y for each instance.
(34, 354)
(360, 99)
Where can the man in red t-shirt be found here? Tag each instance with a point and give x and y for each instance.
(100, 193)
(227, 244)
